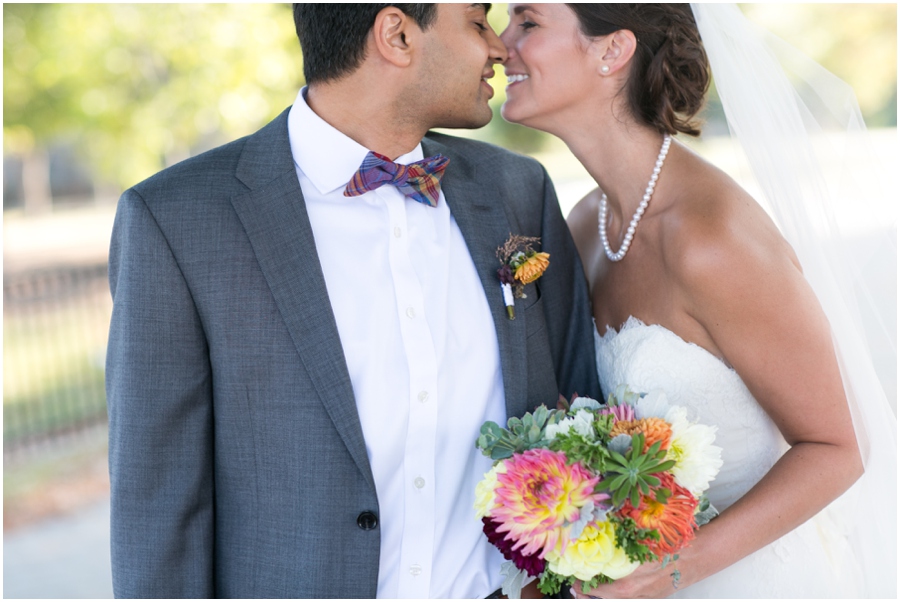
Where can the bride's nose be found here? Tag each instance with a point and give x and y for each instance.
(506, 38)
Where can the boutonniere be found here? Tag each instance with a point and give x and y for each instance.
(519, 265)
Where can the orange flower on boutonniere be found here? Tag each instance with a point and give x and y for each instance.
(520, 264)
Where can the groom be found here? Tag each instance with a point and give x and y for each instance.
(297, 369)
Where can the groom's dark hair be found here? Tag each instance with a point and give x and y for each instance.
(333, 36)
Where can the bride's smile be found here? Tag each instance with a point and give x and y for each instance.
(548, 59)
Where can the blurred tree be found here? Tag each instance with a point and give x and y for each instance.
(856, 42)
(139, 87)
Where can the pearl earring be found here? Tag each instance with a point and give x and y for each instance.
(604, 69)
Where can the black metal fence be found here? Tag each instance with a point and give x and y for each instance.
(55, 324)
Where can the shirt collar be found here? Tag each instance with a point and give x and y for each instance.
(325, 155)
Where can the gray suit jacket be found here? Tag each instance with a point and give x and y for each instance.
(237, 460)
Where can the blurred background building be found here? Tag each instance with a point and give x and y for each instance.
(97, 97)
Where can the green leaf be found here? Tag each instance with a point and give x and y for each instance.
(597, 580)
(540, 416)
(664, 466)
(550, 583)
(618, 458)
(501, 453)
(619, 496)
(662, 495)
(645, 490)
(637, 443)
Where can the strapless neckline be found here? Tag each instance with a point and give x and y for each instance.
(635, 323)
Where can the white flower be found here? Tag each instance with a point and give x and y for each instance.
(582, 422)
(652, 405)
(552, 430)
(697, 460)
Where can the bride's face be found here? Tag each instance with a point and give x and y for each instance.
(550, 67)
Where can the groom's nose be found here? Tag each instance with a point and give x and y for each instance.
(496, 47)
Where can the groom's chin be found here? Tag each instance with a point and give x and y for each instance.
(473, 121)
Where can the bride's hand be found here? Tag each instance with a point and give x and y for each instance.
(650, 580)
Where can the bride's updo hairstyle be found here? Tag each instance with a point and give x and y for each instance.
(669, 72)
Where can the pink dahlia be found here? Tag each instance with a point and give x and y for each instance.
(538, 497)
(623, 412)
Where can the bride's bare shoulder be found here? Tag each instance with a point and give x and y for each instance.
(716, 231)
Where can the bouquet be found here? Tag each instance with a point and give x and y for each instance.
(590, 491)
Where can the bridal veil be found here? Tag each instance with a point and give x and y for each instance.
(803, 136)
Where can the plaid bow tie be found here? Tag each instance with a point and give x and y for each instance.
(420, 181)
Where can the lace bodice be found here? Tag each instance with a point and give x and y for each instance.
(647, 357)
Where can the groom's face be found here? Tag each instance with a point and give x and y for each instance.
(458, 58)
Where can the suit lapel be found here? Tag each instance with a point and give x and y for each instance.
(478, 209)
(274, 216)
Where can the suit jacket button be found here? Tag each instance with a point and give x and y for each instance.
(367, 520)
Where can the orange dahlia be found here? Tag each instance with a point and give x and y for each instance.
(654, 429)
(533, 267)
(674, 520)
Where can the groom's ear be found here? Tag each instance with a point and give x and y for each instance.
(392, 33)
(615, 51)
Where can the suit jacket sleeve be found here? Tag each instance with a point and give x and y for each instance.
(159, 398)
(567, 304)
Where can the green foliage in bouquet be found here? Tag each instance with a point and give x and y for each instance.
(550, 583)
(520, 435)
(705, 511)
(631, 475)
(629, 537)
(578, 448)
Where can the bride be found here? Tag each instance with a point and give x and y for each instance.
(696, 291)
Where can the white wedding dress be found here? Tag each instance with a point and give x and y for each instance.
(814, 560)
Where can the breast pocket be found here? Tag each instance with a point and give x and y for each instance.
(533, 310)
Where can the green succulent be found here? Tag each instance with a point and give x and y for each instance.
(520, 435)
(631, 475)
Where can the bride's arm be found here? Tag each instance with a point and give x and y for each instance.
(742, 283)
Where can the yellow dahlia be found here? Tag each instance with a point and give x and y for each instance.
(484, 491)
(593, 553)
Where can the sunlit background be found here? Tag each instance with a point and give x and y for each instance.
(97, 97)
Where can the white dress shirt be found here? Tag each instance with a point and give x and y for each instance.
(423, 357)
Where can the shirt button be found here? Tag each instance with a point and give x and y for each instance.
(410, 312)
(397, 232)
(419, 482)
(415, 570)
(423, 396)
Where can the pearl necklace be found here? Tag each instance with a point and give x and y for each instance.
(629, 234)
